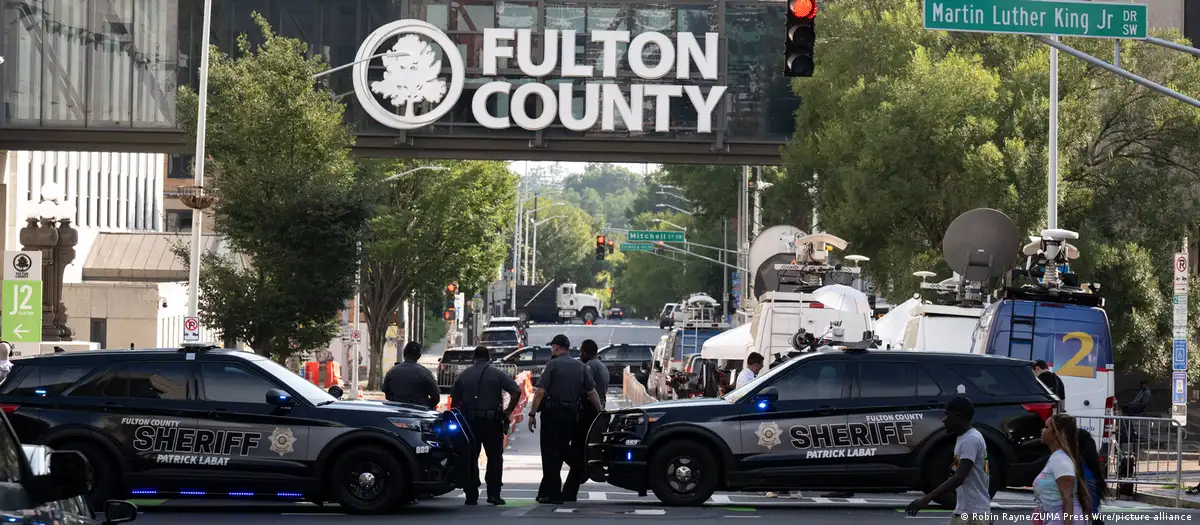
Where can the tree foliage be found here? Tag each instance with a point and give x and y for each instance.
(431, 228)
(566, 246)
(289, 204)
(604, 191)
(905, 129)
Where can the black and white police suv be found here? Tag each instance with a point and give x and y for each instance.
(857, 420)
(204, 422)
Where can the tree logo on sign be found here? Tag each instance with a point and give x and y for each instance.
(22, 263)
(411, 77)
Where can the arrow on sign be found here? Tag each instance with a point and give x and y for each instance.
(17, 331)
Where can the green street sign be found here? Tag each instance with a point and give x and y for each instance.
(1086, 19)
(656, 236)
(21, 319)
(636, 247)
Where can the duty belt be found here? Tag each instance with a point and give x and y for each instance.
(483, 414)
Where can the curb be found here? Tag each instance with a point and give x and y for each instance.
(1166, 501)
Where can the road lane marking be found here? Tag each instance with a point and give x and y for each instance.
(597, 496)
(720, 499)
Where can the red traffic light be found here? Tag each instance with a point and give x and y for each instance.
(611, 243)
(452, 288)
(600, 240)
(804, 8)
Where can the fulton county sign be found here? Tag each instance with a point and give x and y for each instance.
(1090, 19)
(413, 74)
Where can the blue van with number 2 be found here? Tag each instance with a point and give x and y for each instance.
(1073, 339)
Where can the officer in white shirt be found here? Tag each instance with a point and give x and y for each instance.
(754, 363)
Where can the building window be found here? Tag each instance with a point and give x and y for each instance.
(180, 167)
(99, 332)
(179, 221)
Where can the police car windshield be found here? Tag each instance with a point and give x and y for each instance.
(738, 394)
(303, 388)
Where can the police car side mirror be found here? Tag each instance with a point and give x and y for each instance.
(119, 511)
(278, 397)
(769, 394)
(336, 391)
(64, 480)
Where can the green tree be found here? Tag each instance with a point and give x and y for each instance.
(566, 247)
(289, 204)
(906, 128)
(431, 228)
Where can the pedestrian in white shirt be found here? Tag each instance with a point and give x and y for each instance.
(754, 363)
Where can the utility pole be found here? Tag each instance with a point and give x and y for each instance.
(725, 270)
(743, 227)
(1052, 175)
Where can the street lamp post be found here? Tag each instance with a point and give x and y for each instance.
(676, 208)
(680, 197)
(49, 230)
(533, 265)
(527, 254)
(196, 197)
(669, 223)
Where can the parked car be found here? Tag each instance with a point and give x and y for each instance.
(501, 341)
(514, 322)
(447, 367)
(617, 357)
(532, 359)
(666, 319)
(616, 313)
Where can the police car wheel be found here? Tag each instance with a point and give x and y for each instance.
(367, 480)
(101, 470)
(683, 473)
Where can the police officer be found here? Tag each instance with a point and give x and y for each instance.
(478, 394)
(409, 382)
(587, 414)
(564, 383)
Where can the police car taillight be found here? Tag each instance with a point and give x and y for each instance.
(8, 409)
(1043, 410)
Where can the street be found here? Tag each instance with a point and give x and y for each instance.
(604, 332)
(522, 472)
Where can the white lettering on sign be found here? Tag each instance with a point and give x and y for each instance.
(413, 76)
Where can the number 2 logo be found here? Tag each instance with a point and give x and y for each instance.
(1072, 368)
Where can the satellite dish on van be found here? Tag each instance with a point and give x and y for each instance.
(981, 244)
(771, 242)
(924, 275)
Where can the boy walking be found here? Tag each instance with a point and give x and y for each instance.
(970, 480)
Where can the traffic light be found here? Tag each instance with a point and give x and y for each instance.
(611, 246)
(452, 288)
(601, 249)
(449, 314)
(801, 37)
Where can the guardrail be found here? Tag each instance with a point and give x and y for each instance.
(448, 374)
(633, 390)
(1141, 451)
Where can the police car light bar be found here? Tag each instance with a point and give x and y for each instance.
(198, 347)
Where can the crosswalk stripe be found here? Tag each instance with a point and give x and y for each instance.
(597, 496)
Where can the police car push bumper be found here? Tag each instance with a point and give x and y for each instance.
(616, 449)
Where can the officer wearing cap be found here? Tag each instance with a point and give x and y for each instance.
(563, 386)
(576, 476)
(409, 382)
(478, 394)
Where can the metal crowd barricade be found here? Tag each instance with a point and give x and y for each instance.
(633, 390)
(1139, 450)
(448, 374)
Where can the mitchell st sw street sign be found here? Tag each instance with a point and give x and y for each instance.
(1088, 19)
(414, 75)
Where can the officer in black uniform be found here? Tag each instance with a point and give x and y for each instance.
(561, 389)
(409, 382)
(478, 394)
(587, 414)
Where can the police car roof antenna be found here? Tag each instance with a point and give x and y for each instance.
(979, 246)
